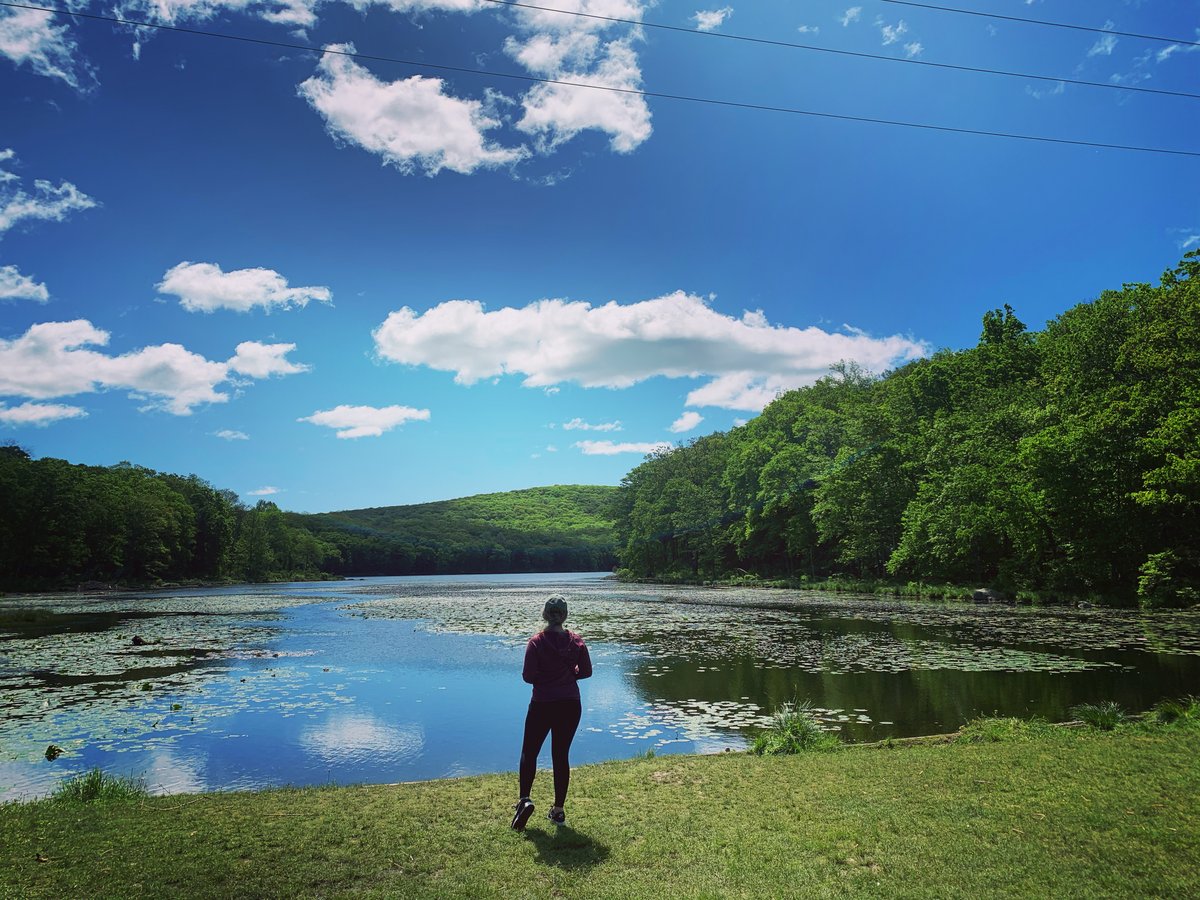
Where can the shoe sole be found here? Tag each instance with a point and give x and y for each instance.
(522, 816)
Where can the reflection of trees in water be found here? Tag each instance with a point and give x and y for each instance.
(921, 701)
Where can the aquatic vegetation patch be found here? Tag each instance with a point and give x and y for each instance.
(703, 624)
(96, 785)
(793, 728)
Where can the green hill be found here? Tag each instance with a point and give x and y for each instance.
(555, 529)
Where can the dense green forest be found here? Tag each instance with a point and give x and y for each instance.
(1059, 463)
(548, 529)
(64, 524)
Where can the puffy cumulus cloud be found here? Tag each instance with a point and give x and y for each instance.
(411, 123)
(54, 359)
(686, 422)
(616, 346)
(555, 113)
(47, 202)
(853, 14)
(257, 360)
(265, 491)
(15, 286)
(577, 424)
(583, 50)
(558, 16)
(712, 19)
(36, 39)
(612, 448)
(227, 434)
(39, 414)
(297, 14)
(203, 287)
(365, 421)
(916, 48)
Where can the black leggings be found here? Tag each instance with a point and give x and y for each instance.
(559, 718)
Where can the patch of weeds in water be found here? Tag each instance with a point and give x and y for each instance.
(1105, 715)
(794, 728)
(96, 785)
(996, 729)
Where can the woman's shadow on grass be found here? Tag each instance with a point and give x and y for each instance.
(566, 848)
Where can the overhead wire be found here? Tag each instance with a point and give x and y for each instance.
(795, 45)
(1091, 28)
(761, 107)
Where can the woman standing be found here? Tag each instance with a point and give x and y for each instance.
(555, 660)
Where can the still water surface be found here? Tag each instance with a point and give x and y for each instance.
(398, 679)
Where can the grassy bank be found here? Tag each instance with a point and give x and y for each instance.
(1015, 811)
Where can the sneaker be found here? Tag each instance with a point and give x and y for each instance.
(557, 816)
(523, 810)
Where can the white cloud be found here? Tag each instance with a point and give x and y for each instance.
(15, 286)
(1038, 93)
(1192, 240)
(853, 14)
(47, 202)
(258, 360)
(411, 123)
(892, 33)
(616, 346)
(809, 29)
(555, 113)
(709, 20)
(31, 37)
(686, 422)
(577, 424)
(365, 421)
(264, 491)
(203, 287)
(550, 448)
(39, 414)
(609, 448)
(1105, 45)
(913, 49)
(230, 435)
(52, 360)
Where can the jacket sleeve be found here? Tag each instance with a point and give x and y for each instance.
(584, 668)
(530, 670)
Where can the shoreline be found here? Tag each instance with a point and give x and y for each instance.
(1018, 811)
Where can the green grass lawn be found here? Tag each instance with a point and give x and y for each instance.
(1044, 812)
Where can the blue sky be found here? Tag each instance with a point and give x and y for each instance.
(339, 282)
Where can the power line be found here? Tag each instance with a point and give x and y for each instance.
(986, 15)
(761, 107)
(794, 45)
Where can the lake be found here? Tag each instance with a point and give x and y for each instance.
(401, 679)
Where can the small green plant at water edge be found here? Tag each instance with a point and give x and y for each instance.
(1105, 715)
(94, 785)
(1172, 712)
(997, 729)
(794, 729)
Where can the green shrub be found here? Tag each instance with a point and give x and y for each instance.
(94, 785)
(1176, 712)
(1105, 715)
(794, 729)
(994, 729)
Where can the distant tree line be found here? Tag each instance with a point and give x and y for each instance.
(1064, 462)
(562, 528)
(62, 525)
